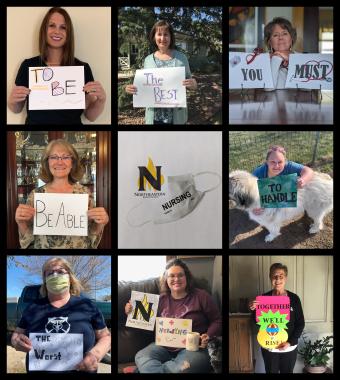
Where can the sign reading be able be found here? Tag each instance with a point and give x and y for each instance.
(59, 87)
(60, 214)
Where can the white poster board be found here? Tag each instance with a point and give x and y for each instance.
(144, 312)
(56, 87)
(60, 214)
(55, 352)
(247, 73)
(312, 71)
(161, 88)
(172, 332)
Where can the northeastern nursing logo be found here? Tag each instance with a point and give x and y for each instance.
(150, 181)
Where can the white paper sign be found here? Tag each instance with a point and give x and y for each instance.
(56, 87)
(246, 74)
(60, 214)
(144, 312)
(310, 71)
(55, 352)
(172, 332)
(160, 88)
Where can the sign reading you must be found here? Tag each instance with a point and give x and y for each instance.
(57, 87)
(60, 214)
(161, 87)
(278, 192)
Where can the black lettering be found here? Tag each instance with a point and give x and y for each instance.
(145, 313)
(67, 86)
(61, 213)
(39, 355)
(154, 182)
(244, 72)
(69, 219)
(37, 211)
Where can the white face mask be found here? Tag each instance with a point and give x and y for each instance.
(181, 199)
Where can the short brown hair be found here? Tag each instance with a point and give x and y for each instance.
(75, 284)
(277, 266)
(77, 170)
(285, 24)
(189, 277)
(166, 25)
(276, 148)
(68, 48)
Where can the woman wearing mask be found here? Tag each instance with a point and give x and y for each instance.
(61, 299)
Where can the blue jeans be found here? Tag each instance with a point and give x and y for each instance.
(157, 359)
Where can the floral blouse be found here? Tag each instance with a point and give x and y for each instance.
(28, 240)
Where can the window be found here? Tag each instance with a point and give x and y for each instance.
(136, 268)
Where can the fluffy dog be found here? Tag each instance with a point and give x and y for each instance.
(316, 198)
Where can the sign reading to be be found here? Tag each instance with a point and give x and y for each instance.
(55, 351)
(57, 87)
(60, 214)
(278, 192)
(160, 87)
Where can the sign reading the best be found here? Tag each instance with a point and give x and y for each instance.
(171, 332)
(144, 312)
(278, 192)
(312, 71)
(160, 88)
(56, 87)
(55, 352)
(272, 315)
(247, 71)
(60, 214)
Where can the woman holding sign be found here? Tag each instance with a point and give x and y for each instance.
(60, 170)
(56, 45)
(162, 38)
(62, 311)
(276, 164)
(180, 299)
(283, 358)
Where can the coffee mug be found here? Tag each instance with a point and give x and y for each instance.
(193, 341)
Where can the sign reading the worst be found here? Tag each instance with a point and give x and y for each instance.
(144, 312)
(313, 71)
(278, 192)
(161, 87)
(249, 71)
(60, 214)
(57, 87)
(55, 352)
(171, 332)
(272, 314)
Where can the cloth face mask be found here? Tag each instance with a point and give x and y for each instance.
(57, 283)
(182, 199)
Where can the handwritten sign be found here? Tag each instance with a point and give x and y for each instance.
(246, 72)
(160, 87)
(278, 192)
(313, 71)
(171, 332)
(144, 312)
(55, 352)
(60, 214)
(55, 88)
(272, 315)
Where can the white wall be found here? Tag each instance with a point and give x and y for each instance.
(92, 28)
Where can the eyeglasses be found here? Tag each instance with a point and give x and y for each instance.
(58, 271)
(57, 158)
(179, 275)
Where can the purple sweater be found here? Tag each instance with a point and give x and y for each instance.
(198, 306)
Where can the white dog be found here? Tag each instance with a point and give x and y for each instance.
(316, 198)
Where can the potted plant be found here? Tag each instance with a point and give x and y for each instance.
(315, 355)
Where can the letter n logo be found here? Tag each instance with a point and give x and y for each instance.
(152, 175)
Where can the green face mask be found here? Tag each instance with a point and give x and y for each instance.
(57, 284)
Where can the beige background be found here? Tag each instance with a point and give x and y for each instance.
(92, 29)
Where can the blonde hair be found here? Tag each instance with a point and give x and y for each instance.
(77, 170)
(75, 285)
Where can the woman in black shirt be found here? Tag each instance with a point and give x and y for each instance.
(56, 45)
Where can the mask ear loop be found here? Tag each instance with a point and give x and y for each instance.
(213, 173)
(135, 225)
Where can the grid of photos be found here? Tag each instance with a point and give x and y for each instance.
(126, 157)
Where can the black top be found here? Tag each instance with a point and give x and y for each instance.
(296, 323)
(50, 116)
(79, 315)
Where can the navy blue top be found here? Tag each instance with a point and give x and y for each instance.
(79, 315)
(291, 167)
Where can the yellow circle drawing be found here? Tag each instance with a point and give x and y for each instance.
(272, 336)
